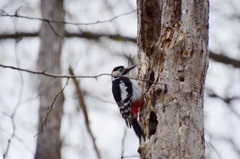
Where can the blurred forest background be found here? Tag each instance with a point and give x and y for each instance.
(98, 36)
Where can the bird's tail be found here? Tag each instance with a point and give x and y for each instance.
(137, 128)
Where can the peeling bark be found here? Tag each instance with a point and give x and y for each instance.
(49, 142)
(173, 54)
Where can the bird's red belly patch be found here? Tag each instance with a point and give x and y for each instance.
(135, 107)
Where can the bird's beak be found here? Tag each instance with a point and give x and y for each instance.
(126, 70)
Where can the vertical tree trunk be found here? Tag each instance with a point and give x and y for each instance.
(173, 51)
(48, 142)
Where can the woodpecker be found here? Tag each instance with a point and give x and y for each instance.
(128, 96)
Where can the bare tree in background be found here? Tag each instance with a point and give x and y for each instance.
(173, 53)
(48, 142)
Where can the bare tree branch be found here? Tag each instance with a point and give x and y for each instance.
(96, 36)
(87, 35)
(50, 74)
(71, 76)
(85, 113)
(224, 59)
(5, 14)
(227, 100)
(18, 35)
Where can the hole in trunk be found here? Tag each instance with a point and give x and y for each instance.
(181, 78)
(151, 79)
(152, 124)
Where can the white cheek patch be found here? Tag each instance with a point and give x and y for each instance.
(123, 88)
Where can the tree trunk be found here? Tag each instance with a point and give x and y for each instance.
(48, 142)
(173, 54)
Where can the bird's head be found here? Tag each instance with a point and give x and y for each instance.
(121, 71)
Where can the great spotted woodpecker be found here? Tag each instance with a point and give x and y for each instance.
(128, 96)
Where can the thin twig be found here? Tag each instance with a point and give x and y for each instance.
(11, 137)
(85, 113)
(18, 138)
(71, 76)
(211, 145)
(95, 97)
(130, 156)
(17, 105)
(123, 141)
(227, 100)
(51, 74)
(54, 31)
(44, 121)
(5, 14)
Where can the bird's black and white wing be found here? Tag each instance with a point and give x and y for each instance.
(122, 93)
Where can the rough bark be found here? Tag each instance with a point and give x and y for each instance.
(48, 142)
(173, 53)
